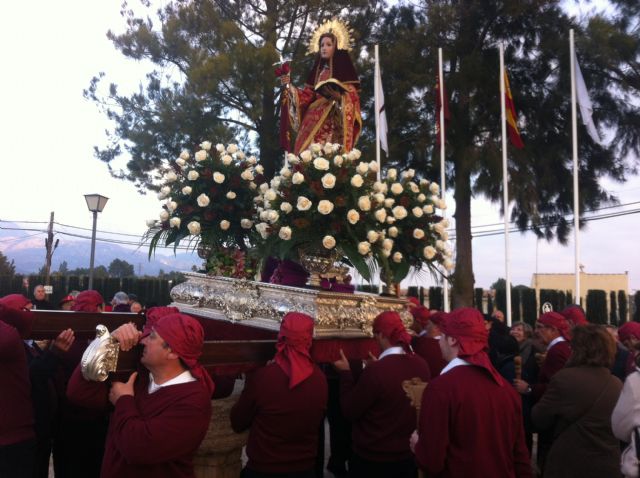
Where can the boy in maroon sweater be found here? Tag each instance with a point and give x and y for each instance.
(378, 407)
(425, 343)
(471, 418)
(161, 416)
(283, 405)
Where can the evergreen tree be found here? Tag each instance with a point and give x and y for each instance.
(7, 268)
(121, 269)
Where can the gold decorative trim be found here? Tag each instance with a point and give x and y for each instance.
(340, 29)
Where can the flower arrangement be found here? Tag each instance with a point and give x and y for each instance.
(208, 198)
(232, 262)
(320, 201)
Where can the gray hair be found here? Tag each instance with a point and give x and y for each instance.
(120, 298)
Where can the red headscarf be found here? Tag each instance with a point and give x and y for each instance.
(413, 302)
(628, 330)
(292, 349)
(67, 298)
(574, 315)
(88, 301)
(20, 319)
(390, 325)
(466, 325)
(154, 314)
(438, 317)
(420, 314)
(185, 336)
(15, 301)
(554, 319)
(340, 66)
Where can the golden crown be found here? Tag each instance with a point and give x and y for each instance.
(340, 29)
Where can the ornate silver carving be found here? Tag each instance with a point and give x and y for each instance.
(100, 357)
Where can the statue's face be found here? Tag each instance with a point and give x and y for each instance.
(327, 48)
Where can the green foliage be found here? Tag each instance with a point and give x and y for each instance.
(623, 308)
(499, 284)
(119, 268)
(7, 268)
(98, 272)
(597, 306)
(63, 268)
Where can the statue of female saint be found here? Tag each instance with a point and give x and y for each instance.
(327, 109)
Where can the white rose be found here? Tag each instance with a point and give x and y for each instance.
(399, 212)
(353, 216)
(380, 187)
(292, 159)
(445, 222)
(414, 187)
(181, 162)
(418, 233)
(285, 172)
(203, 200)
(391, 219)
(397, 257)
(381, 215)
(364, 248)
(422, 197)
(357, 181)
(218, 177)
(297, 178)
(434, 188)
(429, 252)
(220, 148)
(417, 211)
(164, 215)
(389, 202)
(193, 175)
(286, 207)
(224, 224)
(448, 264)
(186, 190)
(442, 204)
(264, 187)
(387, 244)
(372, 236)
(396, 188)
(392, 174)
(151, 222)
(231, 195)
(424, 182)
(272, 216)
(170, 177)
(328, 181)
(270, 195)
(441, 245)
(386, 252)
(306, 156)
(439, 228)
(175, 222)
(201, 155)
(259, 169)
(364, 203)
(247, 175)
(252, 185)
(338, 160)
(246, 223)
(184, 155)
(362, 168)
(285, 233)
(251, 160)
(232, 148)
(393, 231)
(328, 149)
(356, 153)
(321, 164)
(373, 166)
(206, 145)
(325, 207)
(172, 205)
(226, 160)
(194, 228)
(240, 155)
(315, 148)
(379, 198)
(162, 194)
(304, 204)
(263, 229)
(350, 156)
(264, 215)
(328, 242)
(428, 209)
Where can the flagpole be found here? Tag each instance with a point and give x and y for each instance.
(505, 188)
(377, 110)
(443, 186)
(574, 136)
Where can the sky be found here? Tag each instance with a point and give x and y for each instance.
(50, 52)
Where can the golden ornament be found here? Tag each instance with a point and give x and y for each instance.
(340, 29)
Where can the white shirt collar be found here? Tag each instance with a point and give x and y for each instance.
(557, 340)
(184, 377)
(456, 362)
(392, 351)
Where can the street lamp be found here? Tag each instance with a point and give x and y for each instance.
(95, 203)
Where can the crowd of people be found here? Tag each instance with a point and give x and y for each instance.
(490, 389)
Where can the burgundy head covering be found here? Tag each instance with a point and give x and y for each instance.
(420, 314)
(438, 317)
(574, 315)
(554, 319)
(413, 302)
(20, 319)
(390, 325)
(153, 315)
(466, 325)
(185, 336)
(15, 301)
(67, 298)
(88, 301)
(341, 67)
(628, 330)
(292, 349)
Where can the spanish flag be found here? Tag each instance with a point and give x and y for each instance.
(512, 116)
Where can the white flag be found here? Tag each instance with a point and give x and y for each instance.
(381, 116)
(586, 109)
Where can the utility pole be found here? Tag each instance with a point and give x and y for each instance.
(50, 247)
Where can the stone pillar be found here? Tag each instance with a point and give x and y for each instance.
(220, 454)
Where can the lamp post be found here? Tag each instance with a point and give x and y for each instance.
(95, 203)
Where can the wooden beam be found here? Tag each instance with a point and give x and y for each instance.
(49, 323)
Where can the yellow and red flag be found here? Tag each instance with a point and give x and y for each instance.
(512, 116)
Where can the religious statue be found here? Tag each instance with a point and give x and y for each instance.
(327, 109)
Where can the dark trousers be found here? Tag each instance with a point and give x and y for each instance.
(361, 468)
(16, 460)
(247, 473)
(42, 458)
(339, 429)
(78, 448)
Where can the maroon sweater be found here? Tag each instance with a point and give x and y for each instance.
(153, 435)
(16, 411)
(283, 422)
(471, 427)
(429, 349)
(379, 409)
(555, 361)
